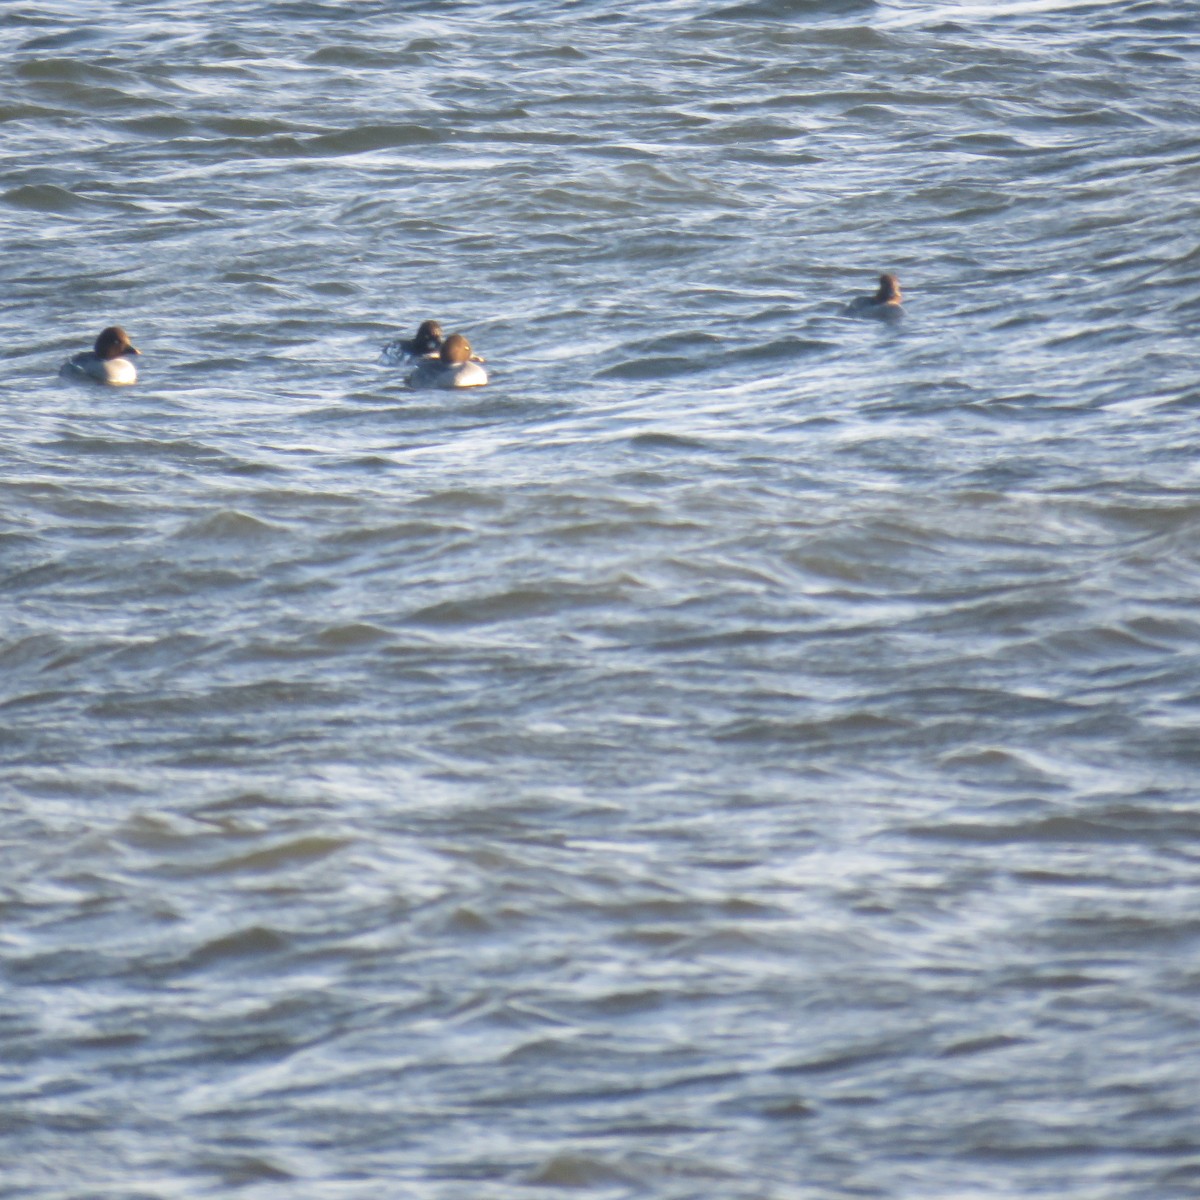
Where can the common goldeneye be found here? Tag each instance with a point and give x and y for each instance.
(886, 303)
(427, 342)
(106, 361)
(454, 367)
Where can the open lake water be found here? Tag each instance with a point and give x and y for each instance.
(743, 752)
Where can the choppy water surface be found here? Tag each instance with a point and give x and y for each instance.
(741, 752)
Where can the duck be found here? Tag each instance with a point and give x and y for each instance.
(886, 304)
(107, 361)
(426, 344)
(453, 367)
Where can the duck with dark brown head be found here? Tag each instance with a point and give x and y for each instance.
(426, 343)
(886, 304)
(454, 367)
(107, 361)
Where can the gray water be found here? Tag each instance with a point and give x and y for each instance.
(741, 752)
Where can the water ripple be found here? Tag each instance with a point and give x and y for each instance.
(744, 749)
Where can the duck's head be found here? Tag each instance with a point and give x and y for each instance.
(889, 290)
(428, 339)
(455, 350)
(114, 342)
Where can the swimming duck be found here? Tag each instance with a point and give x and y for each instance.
(427, 343)
(454, 367)
(106, 361)
(886, 303)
